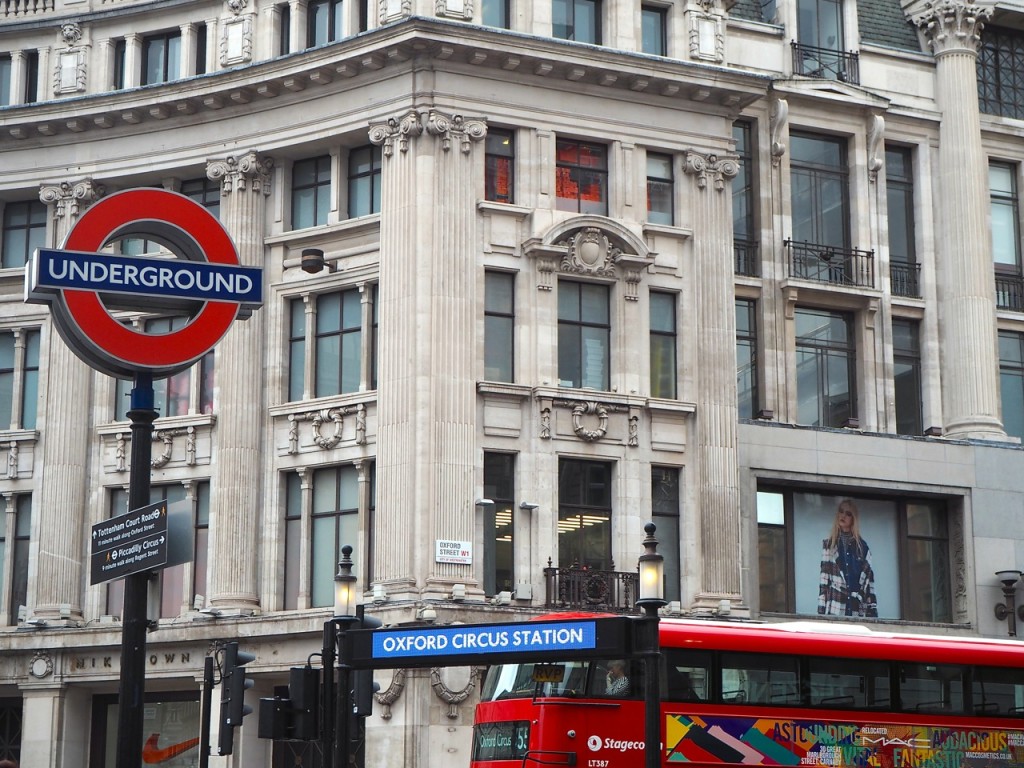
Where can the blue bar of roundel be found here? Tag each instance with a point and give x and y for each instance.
(770, 748)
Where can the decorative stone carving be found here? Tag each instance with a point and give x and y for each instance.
(67, 196)
(390, 696)
(40, 665)
(545, 423)
(238, 173)
(237, 6)
(454, 9)
(236, 41)
(719, 168)
(394, 9)
(590, 408)
(163, 436)
(71, 32)
(949, 24)
(448, 127)
(396, 128)
(707, 42)
(590, 253)
(779, 117)
(318, 418)
(12, 460)
(876, 153)
(447, 695)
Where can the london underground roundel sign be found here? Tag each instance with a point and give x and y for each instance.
(206, 282)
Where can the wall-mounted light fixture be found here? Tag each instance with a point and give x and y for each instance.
(313, 261)
(529, 506)
(1007, 610)
(426, 613)
(485, 503)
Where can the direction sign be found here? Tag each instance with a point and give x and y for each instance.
(130, 543)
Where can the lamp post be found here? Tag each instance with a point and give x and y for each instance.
(652, 597)
(344, 617)
(1007, 610)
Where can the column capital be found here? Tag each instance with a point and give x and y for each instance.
(718, 168)
(396, 128)
(241, 172)
(949, 25)
(465, 130)
(68, 196)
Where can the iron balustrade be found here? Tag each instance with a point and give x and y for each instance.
(582, 588)
(832, 265)
(1010, 292)
(904, 279)
(746, 257)
(826, 63)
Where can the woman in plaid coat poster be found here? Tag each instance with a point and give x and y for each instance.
(847, 584)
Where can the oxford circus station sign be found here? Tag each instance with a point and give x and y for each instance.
(82, 285)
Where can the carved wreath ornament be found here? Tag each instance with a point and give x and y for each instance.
(589, 408)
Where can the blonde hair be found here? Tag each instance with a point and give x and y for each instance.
(833, 539)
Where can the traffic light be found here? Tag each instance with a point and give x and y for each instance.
(363, 686)
(234, 684)
(293, 716)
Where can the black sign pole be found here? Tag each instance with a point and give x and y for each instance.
(134, 619)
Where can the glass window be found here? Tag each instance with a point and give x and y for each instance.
(161, 58)
(335, 522)
(1000, 70)
(24, 230)
(31, 77)
(578, 20)
(751, 678)
(499, 326)
(14, 553)
(206, 192)
(584, 332)
(284, 11)
(997, 691)
(1005, 211)
(838, 684)
(364, 176)
(746, 358)
(653, 30)
(311, 192)
(499, 487)
(744, 234)
(688, 675)
(825, 365)
(324, 22)
(339, 343)
(906, 355)
(660, 184)
(292, 539)
(5, 80)
(1011, 381)
(665, 516)
(496, 14)
(931, 688)
(820, 190)
(663, 344)
(820, 24)
(927, 563)
(120, 49)
(500, 160)
(584, 514)
(581, 177)
(899, 191)
(772, 553)
(19, 379)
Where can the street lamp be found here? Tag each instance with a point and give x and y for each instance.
(652, 597)
(338, 707)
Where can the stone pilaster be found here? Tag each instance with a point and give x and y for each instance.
(238, 480)
(966, 285)
(60, 505)
(426, 455)
(716, 415)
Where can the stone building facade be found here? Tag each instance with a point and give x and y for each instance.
(586, 263)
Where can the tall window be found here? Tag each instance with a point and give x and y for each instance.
(578, 20)
(11, 728)
(31, 77)
(899, 195)
(340, 362)
(19, 379)
(1005, 210)
(24, 230)
(581, 177)
(284, 28)
(663, 344)
(824, 368)
(653, 30)
(746, 358)
(659, 189)
(324, 20)
(584, 335)
(584, 514)
(311, 192)
(500, 159)
(1001, 72)
(5, 80)
(665, 516)
(364, 181)
(906, 353)
(820, 190)
(1011, 381)
(120, 54)
(820, 24)
(838, 555)
(206, 192)
(496, 14)
(15, 532)
(161, 58)
(499, 487)
(499, 326)
(744, 233)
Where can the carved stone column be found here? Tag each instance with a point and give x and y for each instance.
(426, 454)
(716, 415)
(61, 501)
(238, 478)
(965, 281)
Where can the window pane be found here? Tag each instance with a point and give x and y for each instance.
(760, 679)
(838, 684)
(931, 688)
(594, 363)
(584, 514)
(323, 561)
(495, 13)
(293, 540)
(652, 23)
(659, 189)
(998, 691)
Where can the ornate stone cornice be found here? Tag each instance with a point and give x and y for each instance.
(396, 128)
(465, 130)
(949, 25)
(67, 197)
(719, 168)
(248, 171)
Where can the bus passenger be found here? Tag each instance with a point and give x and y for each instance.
(617, 684)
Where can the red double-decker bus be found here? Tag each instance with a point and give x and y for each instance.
(799, 693)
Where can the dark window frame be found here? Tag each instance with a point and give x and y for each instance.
(167, 39)
(573, 326)
(499, 472)
(320, 185)
(500, 350)
(909, 356)
(809, 218)
(33, 231)
(571, 10)
(582, 165)
(661, 187)
(335, 29)
(824, 351)
(500, 166)
(747, 338)
(590, 496)
(665, 339)
(656, 16)
(365, 175)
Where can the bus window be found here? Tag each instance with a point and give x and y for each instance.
(931, 688)
(516, 681)
(687, 676)
(848, 684)
(618, 678)
(760, 679)
(998, 692)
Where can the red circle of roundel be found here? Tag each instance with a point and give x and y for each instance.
(179, 347)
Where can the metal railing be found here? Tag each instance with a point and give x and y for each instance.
(589, 589)
(832, 265)
(746, 257)
(1010, 292)
(905, 279)
(826, 63)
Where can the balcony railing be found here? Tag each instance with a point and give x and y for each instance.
(589, 589)
(828, 264)
(1010, 292)
(746, 257)
(826, 63)
(904, 279)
